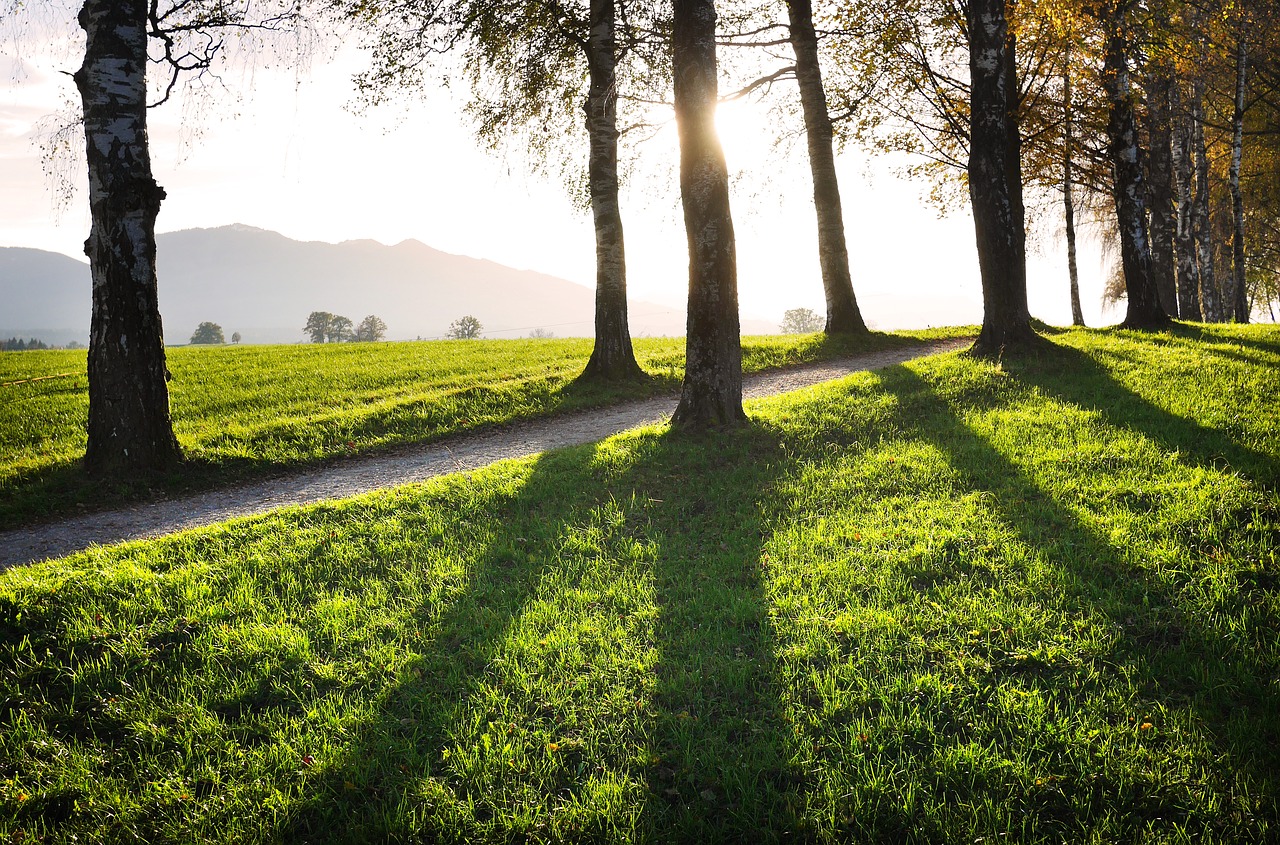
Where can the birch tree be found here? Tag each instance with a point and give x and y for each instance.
(711, 394)
(1239, 296)
(995, 180)
(1158, 87)
(920, 54)
(1068, 194)
(1185, 241)
(843, 314)
(1144, 309)
(543, 70)
(130, 429)
(1210, 298)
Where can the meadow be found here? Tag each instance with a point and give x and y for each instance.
(948, 601)
(248, 411)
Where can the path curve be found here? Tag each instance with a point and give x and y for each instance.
(352, 477)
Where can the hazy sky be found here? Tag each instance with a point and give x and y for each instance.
(278, 150)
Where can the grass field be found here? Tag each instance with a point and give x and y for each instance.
(944, 602)
(247, 411)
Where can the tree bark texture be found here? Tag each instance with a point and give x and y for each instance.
(995, 181)
(712, 390)
(843, 314)
(1068, 194)
(1160, 188)
(130, 429)
(1210, 301)
(1239, 295)
(1188, 266)
(1144, 311)
(612, 357)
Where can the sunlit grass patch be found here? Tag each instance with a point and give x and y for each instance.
(943, 602)
(245, 411)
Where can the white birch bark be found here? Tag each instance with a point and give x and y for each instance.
(1185, 249)
(1239, 295)
(129, 427)
(1210, 300)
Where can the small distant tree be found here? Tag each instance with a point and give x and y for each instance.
(317, 326)
(207, 333)
(464, 328)
(800, 321)
(339, 329)
(235, 337)
(541, 334)
(370, 330)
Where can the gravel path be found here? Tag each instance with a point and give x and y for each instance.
(361, 475)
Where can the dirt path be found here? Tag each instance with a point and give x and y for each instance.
(361, 475)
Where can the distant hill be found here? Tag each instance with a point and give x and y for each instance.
(263, 285)
(43, 295)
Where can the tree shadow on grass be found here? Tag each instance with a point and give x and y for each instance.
(394, 770)
(1069, 375)
(723, 766)
(1180, 660)
(597, 678)
(1222, 336)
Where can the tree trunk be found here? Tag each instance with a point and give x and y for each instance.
(130, 430)
(995, 182)
(1210, 301)
(1160, 188)
(612, 358)
(1188, 268)
(1239, 296)
(1068, 201)
(712, 391)
(843, 314)
(1144, 311)
(1068, 196)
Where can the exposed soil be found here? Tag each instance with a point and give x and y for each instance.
(387, 469)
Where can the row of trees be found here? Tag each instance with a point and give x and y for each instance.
(1158, 122)
(323, 327)
(17, 344)
(1008, 92)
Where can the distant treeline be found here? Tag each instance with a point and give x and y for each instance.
(17, 343)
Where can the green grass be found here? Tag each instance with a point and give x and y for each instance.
(944, 602)
(242, 412)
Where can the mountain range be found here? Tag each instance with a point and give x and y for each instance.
(264, 285)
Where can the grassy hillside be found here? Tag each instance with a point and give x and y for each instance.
(245, 411)
(946, 602)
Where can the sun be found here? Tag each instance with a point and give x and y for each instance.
(745, 133)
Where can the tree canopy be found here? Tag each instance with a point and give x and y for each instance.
(207, 333)
(466, 327)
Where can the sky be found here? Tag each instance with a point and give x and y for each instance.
(283, 150)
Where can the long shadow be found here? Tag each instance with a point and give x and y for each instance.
(1180, 660)
(1069, 375)
(723, 764)
(1242, 349)
(696, 742)
(377, 785)
(1217, 337)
